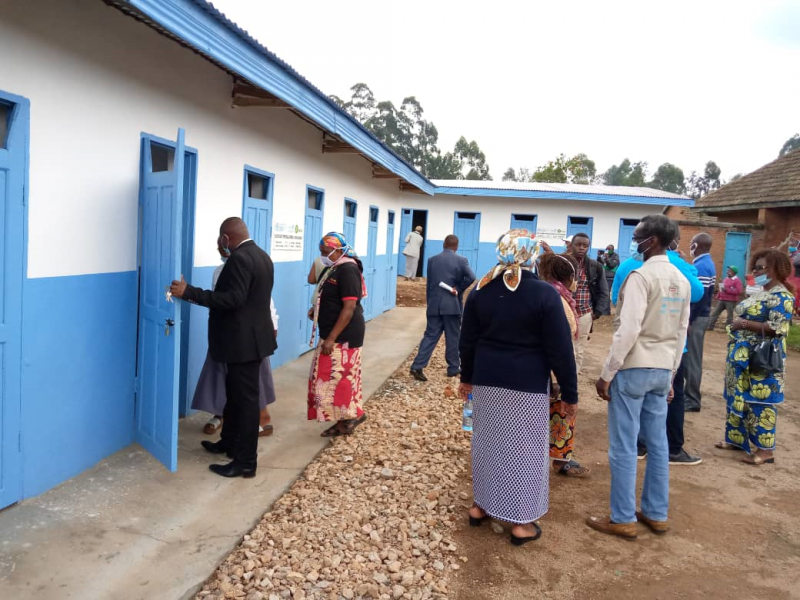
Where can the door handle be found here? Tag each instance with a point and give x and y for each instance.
(168, 324)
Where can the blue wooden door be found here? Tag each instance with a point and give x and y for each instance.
(258, 209)
(523, 222)
(312, 234)
(371, 304)
(626, 227)
(158, 358)
(467, 229)
(14, 128)
(405, 229)
(580, 225)
(349, 227)
(737, 251)
(391, 273)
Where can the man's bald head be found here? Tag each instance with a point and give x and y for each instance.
(234, 230)
(701, 243)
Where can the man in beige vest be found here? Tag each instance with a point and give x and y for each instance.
(650, 333)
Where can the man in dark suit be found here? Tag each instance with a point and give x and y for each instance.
(240, 334)
(444, 307)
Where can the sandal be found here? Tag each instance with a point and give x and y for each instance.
(727, 446)
(333, 431)
(521, 541)
(573, 468)
(755, 459)
(265, 430)
(350, 426)
(212, 426)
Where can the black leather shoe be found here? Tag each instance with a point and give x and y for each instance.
(454, 373)
(214, 447)
(418, 375)
(692, 409)
(232, 469)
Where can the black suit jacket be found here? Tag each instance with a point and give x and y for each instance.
(239, 322)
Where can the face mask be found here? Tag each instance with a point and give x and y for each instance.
(762, 280)
(224, 259)
(792, 249)
(573, 286)
(634, 250)
(327, 261)
(692, 249)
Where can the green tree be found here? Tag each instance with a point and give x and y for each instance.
(697, 185)
(472, 159)
(735, 177)
(668, 178)
(632, 175)
(510, 175)
(578, 169)
(793, 143)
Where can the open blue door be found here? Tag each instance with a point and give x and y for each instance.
(312, 234)
(523, 222)
(158, 357)
(405, 229)
(14, 128)
(370, 304)
(626, 227)
(467, 229)
(737, 251)
(391, 273)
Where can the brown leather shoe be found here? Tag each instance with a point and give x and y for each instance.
(603, 524)
(659, 527)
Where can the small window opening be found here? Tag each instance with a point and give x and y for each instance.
(5, 123)
(579, 220)
(314, 200)
(466, 215)
(391, 218)
(630, 222)
(163, 158)
(530, 218)
(373, 215)
(350, 209)
(257, 186)
(406, 211)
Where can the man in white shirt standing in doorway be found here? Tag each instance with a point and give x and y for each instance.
(413, 244)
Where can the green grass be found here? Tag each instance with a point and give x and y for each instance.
(793, 341)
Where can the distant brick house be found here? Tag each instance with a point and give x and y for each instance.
(758, 211)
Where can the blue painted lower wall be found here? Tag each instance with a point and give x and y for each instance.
(79, 360)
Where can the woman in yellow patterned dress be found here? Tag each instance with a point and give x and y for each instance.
(752, 396)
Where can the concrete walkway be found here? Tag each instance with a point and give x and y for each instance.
(129, 530)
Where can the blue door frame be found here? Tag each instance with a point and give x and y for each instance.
(158, 360)
(370, 305)
(467, 228)
(349, 223)
(519, 221)
(406, 216)
(13, 264)
(737, 253)
(626, 227)
(312, 234)
(580, 225)
(391, 275)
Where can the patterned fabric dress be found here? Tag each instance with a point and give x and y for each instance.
(562, 428)
(334, 387)
(510, 475)
(752, 396)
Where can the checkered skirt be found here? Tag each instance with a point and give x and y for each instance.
(510, 442)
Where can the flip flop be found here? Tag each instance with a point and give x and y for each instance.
(265, 430)
(332, 431)
(727, 446)
(573, 468)
(754, 459)
(212, 426)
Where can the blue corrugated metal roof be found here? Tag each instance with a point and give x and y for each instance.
(203, 27)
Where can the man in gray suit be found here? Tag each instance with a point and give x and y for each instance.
(444, 307)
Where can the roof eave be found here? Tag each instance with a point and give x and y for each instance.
(212, 38)
(749, 206)
(616, 198)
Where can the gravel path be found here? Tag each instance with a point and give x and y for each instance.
(373, 515)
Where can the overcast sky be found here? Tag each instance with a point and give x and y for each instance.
(681, 81)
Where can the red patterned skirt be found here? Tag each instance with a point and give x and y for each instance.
(334, 385)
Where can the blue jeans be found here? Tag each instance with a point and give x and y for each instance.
(639, 405)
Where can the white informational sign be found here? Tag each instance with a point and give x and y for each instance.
(287, 237)
(554, 237)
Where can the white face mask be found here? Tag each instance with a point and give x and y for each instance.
(693, 249)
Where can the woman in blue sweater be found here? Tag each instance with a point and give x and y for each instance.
(514, 333)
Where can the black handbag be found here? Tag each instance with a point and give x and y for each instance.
(767, 356)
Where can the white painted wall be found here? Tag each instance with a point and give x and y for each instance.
(96, 80)
(496, 214)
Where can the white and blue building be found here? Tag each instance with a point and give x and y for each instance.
(129, 129)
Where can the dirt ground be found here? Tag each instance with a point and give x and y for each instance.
(410, 293)
(735, 527)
